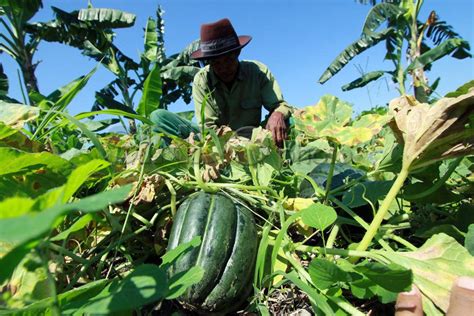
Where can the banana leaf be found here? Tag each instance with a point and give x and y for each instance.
(107, 18)
(366, 41)
(379, 14)
(446, 48)
(363, 81)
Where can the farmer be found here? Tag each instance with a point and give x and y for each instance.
(232, 91)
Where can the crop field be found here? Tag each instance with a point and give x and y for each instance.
(351, 211)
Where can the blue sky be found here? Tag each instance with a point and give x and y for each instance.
(297, 39)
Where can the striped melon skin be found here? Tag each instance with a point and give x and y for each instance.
(226, 254)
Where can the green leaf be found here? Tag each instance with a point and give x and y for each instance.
(16, 115)
(324, 273)
(188, 115)
(68, 93)
(330, 118)
(438, 52)
(92, 136)
(14, 161)
(392, 277)
(367, 289)
(22, 9)
(365, 192)
(10, 137)
(15, 206)
(318, 299)
(366, 41)
(145, 285)
(81, 116)
(380, 13)
(39, 172)
(171, 255)
(150, 100)
(461, 90)
(107, 18)
(319, 216)
(435, 266)
(82, 222)
(181, 281)
(469, 241)
(363, 80)
(3, 82)
(151, 41)
(24, 228)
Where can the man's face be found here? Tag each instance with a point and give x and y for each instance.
(226, 66)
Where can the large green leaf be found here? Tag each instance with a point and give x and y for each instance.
(68, 93)
(438, 52)
(461, 90)
(325, 273)
(366, 192)
(392, 277)
(26, 230)
(146, 284)
(27, 227)
(364, 42)
(151, 41)
(3, 82)
(319, 216)
(16, 115)
(22, 9)
(363, 80)
(107, 18)
(379, 14)
(81, 116)
(39, 172)
(150, 100)
(435, 266)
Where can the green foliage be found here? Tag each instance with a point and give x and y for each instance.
(83, 207)
(402, 27)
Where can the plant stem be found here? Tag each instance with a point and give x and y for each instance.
(332, 236)
(330, 174)
(377, 221)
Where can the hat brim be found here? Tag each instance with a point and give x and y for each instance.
(243, 40)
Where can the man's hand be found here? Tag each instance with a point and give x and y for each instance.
(277, 126)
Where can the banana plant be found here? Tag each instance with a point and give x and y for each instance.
(14, 41)
(403, 29)
(161, 80)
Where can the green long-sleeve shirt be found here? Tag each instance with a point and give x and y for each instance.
(240, 106)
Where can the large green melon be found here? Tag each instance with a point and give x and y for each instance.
(226, 254)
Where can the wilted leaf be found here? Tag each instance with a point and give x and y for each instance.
(435, 266)
(10, 137)
(432, 133)
(331, 118)
(16, 115)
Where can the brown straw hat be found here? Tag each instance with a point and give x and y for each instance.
(219, 38)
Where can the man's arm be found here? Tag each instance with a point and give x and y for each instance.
(200, 98)
(273, 101)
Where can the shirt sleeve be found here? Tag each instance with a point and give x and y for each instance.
(201, 96)
(272, 98)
